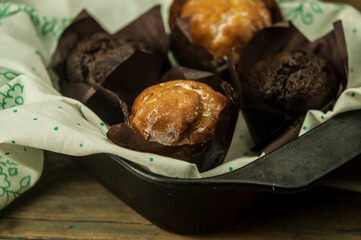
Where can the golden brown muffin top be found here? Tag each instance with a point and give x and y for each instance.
(177, 112)
(219, 25)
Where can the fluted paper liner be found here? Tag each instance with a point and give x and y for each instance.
(196, 56)
(139, 67)
(205, 155)
(272, 128)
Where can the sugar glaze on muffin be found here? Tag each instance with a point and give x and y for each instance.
(219, 25)
(177, 112)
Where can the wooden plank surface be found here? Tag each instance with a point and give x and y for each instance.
(68, 204)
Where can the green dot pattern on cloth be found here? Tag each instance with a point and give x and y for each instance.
(35, 119)
(78, 124)
(102, 124)
(33, 69)
(60, 107)
(13, 141)
(15, 111)
(241, 137)
(56, 129)
(245, 153)
(7, 153)
(37, 52)
(353, 94)
(81, 145)
(230, 168)
(304, 127)
(352, 70)
(354, 31)
(322, 117)
(25, 149)
(151, 159)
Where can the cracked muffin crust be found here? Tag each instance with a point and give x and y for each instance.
(293, 82)
(101, 53)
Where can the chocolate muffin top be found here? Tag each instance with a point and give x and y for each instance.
(99, 54)
(293, 82)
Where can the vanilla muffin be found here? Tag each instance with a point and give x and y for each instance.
(177, 112)
(219, 26)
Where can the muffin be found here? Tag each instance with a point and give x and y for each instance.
(219, 26)
(204, 31)
(99, 54)
(177, 112)
(281, 75)
(292, 81)
(188, 115)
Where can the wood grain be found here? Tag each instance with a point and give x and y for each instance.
(68, 204)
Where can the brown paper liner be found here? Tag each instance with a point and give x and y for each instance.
(140, 66)
(112, 98)
(272, 128)
(196, 56)
(205, 155)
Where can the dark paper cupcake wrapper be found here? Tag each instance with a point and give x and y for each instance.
(272, 128)
(204, 155)
(112, 98)
(137, 67)
(196, 56)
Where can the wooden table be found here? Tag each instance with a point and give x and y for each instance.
(68, 204)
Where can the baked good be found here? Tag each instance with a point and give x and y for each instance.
(99, 54)
(177, 112)
(220, 25)
(292, 81)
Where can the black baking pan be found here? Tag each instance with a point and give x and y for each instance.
(190, 206)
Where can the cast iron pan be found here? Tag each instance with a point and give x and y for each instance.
(190, 206)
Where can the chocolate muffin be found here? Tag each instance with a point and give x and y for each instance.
(100, 53)
(293, 82)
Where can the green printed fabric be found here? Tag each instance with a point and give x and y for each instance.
(35, 117)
